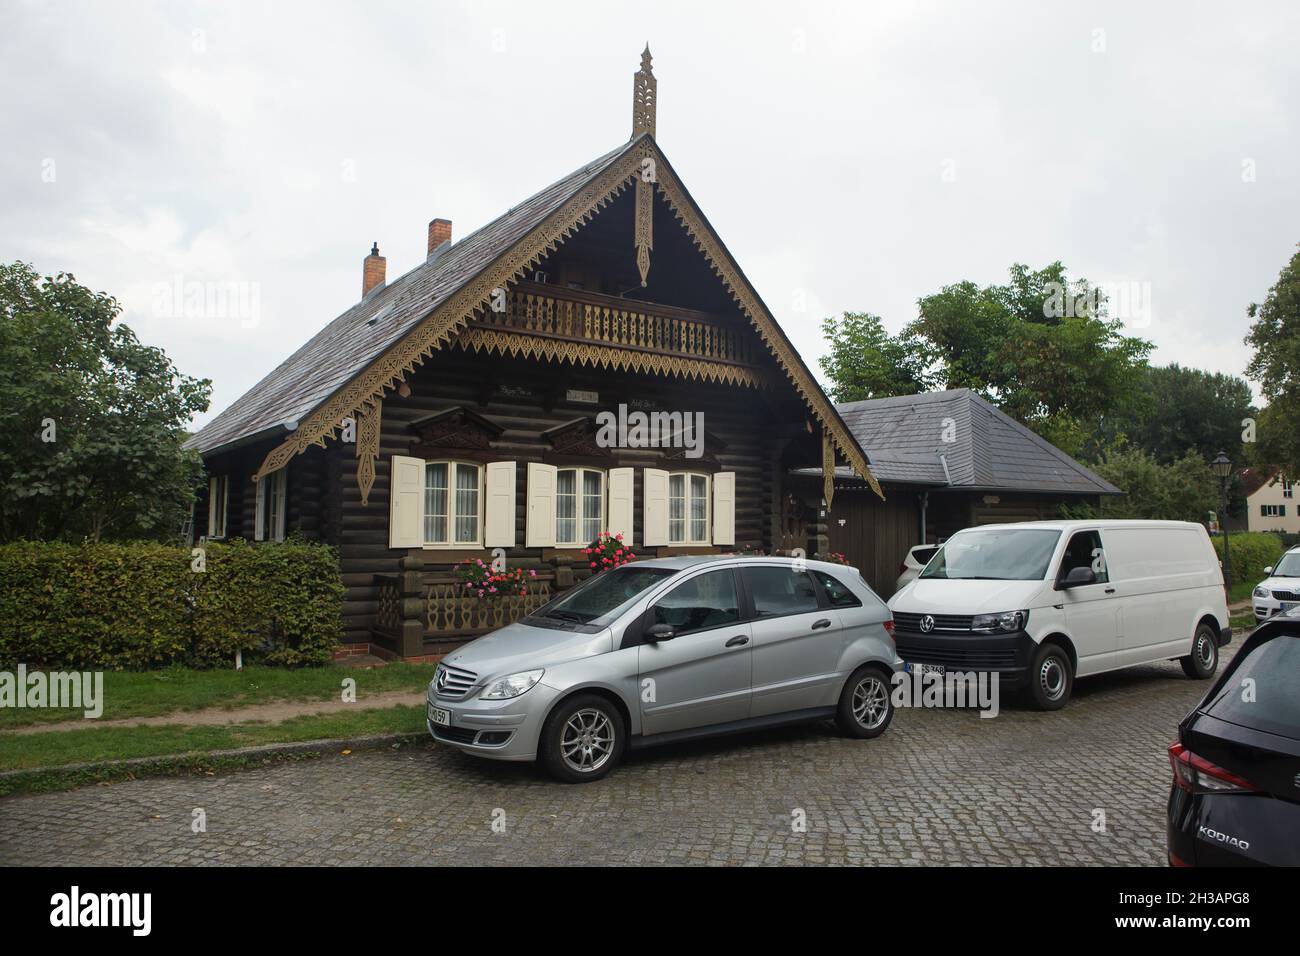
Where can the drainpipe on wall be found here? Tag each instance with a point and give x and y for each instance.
(924, 498)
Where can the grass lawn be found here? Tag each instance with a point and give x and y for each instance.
(172, 689)
(57, 748)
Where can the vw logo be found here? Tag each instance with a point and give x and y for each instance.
(927, 624)
(440, 678)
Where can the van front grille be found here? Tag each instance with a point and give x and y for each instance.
(942, 622)
(972, 659)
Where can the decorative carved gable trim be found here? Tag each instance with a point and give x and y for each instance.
(575, 439)
(444, 322)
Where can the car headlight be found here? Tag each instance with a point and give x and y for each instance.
(1000, 623)
(512, 686)
(1261, 592)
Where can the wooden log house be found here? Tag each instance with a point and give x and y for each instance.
(451, 414)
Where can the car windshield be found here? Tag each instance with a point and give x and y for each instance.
(603, 597)
(1289, 566)
(1004, 554)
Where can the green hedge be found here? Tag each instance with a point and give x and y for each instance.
(138, 606)
(1249, 552)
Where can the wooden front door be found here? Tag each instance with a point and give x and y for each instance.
(875, 534)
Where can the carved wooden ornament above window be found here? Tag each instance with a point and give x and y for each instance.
(455, 430)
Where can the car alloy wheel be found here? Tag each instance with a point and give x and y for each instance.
(870, 702)
(587, 740)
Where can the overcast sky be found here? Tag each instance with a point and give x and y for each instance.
(852, 156)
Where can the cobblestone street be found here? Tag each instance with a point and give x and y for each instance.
(940, 787)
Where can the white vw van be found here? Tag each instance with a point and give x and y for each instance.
(1042, 602)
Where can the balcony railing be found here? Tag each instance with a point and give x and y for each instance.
(573, 315)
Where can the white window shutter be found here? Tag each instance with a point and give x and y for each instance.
(259, 509)
(499, 515)
(724, 507)
(620, 502)
(212, 507)
(539, 531)
(654, 519)
(281, 489)
(406, 503)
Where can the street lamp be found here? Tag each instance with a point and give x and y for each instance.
(1222, 466)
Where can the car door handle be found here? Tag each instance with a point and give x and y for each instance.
(738, 641)
(824, 622)
(1110, 590)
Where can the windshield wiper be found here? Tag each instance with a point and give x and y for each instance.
(562, 615)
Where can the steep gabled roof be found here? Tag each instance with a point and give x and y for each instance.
(348, 367)
(1252, 479)
(300, 383)
(988, 451)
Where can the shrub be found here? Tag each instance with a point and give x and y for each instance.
(1249, 553)
(138, 606)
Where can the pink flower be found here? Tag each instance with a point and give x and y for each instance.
(532, 572)
(593, 564)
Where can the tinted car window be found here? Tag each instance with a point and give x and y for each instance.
(1272, 702)
(836, 591)
(604, 596)
(1085, 551)
(705, 601)
(779, 590)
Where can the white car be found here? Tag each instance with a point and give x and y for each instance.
(1041, 602)
(1280, 591)
(914, 562)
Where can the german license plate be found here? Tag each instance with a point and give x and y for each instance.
(1286, 606)
(923, 668)
(439, 716)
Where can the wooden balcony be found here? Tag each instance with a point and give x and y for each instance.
(569, 315)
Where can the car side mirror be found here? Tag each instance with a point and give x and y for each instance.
(1268, 570)
(659, 632)
(1077, 578)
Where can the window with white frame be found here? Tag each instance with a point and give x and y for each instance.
(688, 508)
(579, 506)
(453, 503)
(1288, 487)
(218, 488)
(1273, 511)
(269, 522)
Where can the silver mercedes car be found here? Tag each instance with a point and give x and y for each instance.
(666, 650)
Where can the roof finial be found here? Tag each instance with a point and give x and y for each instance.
(644, 97)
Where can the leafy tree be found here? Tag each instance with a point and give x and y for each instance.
(93, 419)
(866, 362)
(1275, 336)
(1187, 408)
(1182, 490)
(1041, 347)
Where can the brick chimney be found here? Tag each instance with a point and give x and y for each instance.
(373, 269)
(439, 232)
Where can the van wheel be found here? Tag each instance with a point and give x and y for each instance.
(866, 705)
(582, 740)
(1203, 661)
(1051, 678)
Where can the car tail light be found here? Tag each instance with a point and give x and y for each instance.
(889, 628)
(1197, 775)
(1176, 860)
